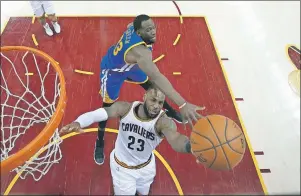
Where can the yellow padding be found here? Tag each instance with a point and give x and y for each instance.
(181, 19)
(34, 40)
(159, 58)
(83, 72)
(177, 39)
(176, 73)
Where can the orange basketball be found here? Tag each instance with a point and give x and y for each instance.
(218, 142)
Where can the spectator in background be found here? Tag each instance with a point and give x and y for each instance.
(40, 8)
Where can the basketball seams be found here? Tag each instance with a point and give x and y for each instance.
(225, 131)
(233, 148)
(230, 156)
(219, 139)
(219, 144)
(213, 147)
(228, 142)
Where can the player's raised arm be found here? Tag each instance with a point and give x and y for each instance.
(143, 57)
(118, 109)
(178, 142)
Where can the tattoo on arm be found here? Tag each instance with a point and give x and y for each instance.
(179, 142)
(188, 146)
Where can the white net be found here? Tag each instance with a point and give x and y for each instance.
(26, 106)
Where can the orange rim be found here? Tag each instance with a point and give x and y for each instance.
(43, 137)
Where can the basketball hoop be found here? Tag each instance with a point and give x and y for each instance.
(22, 103)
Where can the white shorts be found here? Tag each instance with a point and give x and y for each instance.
(129, 181)
(41, 7)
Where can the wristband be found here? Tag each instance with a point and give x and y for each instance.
(182, 105)
(188, 147)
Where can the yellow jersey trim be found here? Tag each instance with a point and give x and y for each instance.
(127, 50)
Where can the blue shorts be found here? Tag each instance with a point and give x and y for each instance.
(112, 80)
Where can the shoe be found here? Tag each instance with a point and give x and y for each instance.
(99, 156)
(57, 27)
(175, 116)
(48, 29)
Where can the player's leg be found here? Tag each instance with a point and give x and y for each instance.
(99, 156)
(124, 180)
(49, 9)
(146, 177)
(39, 13)
(137, 76)
(110, 88)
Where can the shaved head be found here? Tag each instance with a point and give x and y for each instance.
(155, 92)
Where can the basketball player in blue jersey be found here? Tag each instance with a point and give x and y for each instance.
(130, 59)
(142, 127)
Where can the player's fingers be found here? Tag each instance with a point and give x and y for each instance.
(184, 125)
(183, 120)
(64, 129)
(72, 128)
(200, 108)
(193, 116)
(198, 116)
(190, 123)
(81, 131)
(191, 126)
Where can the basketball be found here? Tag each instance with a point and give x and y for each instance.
(218, 142)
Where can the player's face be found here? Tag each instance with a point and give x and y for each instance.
(153, 103)
(148, 31)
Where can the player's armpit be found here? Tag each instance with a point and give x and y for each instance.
(178, 142)
(118, 109)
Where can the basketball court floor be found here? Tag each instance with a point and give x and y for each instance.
(235, 58)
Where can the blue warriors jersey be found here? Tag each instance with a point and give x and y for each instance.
(116, 53)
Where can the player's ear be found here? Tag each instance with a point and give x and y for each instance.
(138, 32)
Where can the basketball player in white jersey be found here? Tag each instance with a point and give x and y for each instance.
(142, 127)
(40, 8)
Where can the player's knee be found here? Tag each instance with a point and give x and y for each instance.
(41, 17)
(104, 104)
(108, 98)
(52, 17)
(102, 125)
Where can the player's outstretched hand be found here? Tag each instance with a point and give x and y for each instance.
(197, 160)
(189, 113)
(73, 127)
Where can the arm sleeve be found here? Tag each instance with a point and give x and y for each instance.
(89, 118)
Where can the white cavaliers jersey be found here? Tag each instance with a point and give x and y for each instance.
(136, 138)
